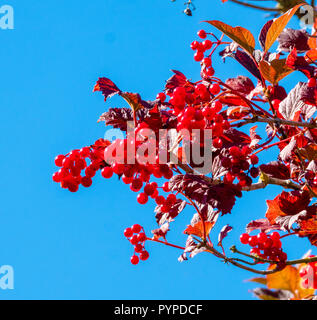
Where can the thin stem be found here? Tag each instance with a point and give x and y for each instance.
(255, 6)
(166, 243)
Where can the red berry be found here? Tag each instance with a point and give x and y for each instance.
(235, 152)
(161, 96)
(198, 56)
(56, 177)
(144, 255)
(244, 238)
(86, 182)
(138, 248)
(254, 159)
(107, 172)
(217, 106)
(262, 237)
(165, 187)
(214, 89)
(59, 160)
(207, 44)
(128, 233)
(194, 45)
(134, 240)
(141, 237)
(134, 259)
(253, 241)
(142, 198)
(202, 34)
(311, 83)
(275, 236)
(136, 228)
(160, 200)
(207, 62)
(217, 143)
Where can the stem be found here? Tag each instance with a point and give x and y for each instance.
(277, 121)
(255, 6)
(166, 243)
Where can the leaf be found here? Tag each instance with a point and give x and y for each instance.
(273, 210)
(175, 210)
(262, 224)
(287, 222)
(245, 60)
(117, 117)
(287, 279)
(266, 294)
(278, 25)
(107, 87)
(263, 33)
(274, 71)
(287, 152)
(240, 35)
(161, 231)
(223, 234)
(176, 80)
(198, 229)
(291, 107)
(261, 280)
(292, 38)
(311, 55)
(242, 84)
(276, 169)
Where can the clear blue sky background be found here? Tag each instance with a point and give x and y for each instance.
(70, 246)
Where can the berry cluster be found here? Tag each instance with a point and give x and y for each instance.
(265, 246)
(71, 167)
(201, 48)
(308, 273)
(237, 162)
(137, 238)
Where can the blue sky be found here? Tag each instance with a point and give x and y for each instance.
(70, 246)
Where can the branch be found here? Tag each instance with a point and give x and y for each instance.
(278, 121)
(288, 184)
(255, 6)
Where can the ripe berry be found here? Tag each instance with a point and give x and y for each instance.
(134, 259)
(235, 152)
(128, 232)
(207, 44)
(86, 182)
(311, 83)
(275, 236)
(148, 189)
(217, 143)
(59, 160)
(142, 198)
(207, 62)
(160, 200)
(138, 248)
(136, 228)
(262, 237)
(254, 159)
(161, 96)
(214, 89)
(134, 240)
(141, 237)
(107, 172)
(144, 255)
(244, 238)
(198, 56)
(202, 34)
(165, 187)
(253, 241)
